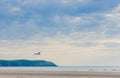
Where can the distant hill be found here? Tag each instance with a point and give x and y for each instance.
(18, 63)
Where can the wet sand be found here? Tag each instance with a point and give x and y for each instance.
(57, 74)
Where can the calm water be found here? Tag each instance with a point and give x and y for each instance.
(68, 68)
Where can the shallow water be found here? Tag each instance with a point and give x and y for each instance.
(68, 68)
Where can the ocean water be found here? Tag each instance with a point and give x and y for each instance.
(67, 68)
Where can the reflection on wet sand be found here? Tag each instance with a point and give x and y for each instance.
(58, 74)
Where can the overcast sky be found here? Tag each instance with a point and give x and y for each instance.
(68, 32)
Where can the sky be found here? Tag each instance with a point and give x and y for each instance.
(67, 32)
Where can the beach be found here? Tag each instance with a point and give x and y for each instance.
(57, 74)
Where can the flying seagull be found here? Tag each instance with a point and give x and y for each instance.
(38, 53)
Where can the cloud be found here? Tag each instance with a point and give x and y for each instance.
(71, 46)
(15, 9)
(54, 49)
(67, 20)
(111, 24)
(72, 1)
(59, 29)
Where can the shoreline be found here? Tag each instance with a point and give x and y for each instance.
(55, 74)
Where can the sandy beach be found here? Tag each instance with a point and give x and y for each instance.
(57, 74)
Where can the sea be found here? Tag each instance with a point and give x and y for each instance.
(68, 68)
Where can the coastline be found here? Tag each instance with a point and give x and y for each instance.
(56, 74)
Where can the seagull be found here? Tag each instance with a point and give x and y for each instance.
(38, 53)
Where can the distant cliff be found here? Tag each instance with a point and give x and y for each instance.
(18, 63)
